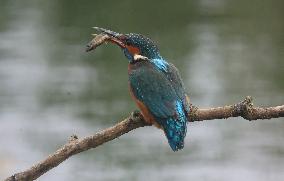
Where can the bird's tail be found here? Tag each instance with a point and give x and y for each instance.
(175, 131)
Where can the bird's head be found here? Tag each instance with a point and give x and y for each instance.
(134, 46)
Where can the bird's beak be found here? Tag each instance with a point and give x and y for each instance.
(114, 37)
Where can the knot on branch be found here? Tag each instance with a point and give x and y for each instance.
(137, 119)
(73, 138)
(192, 115)
(244, 109)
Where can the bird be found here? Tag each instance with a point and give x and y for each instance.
(155, 85)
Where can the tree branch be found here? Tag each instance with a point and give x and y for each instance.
(245, 109)
(75, 145)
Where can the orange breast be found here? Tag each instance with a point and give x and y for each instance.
(144, 110)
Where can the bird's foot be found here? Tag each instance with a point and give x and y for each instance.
(136, 114)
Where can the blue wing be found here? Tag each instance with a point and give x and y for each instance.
(162, 92)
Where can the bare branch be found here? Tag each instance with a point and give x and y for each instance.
(244, 109)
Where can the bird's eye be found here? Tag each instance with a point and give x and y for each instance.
(128, 43)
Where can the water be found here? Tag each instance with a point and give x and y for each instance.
(51, 89)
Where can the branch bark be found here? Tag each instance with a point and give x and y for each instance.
(75, 145)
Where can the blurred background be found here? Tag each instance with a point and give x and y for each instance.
(50, 88)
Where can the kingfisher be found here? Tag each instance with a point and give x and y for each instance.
(155, 85)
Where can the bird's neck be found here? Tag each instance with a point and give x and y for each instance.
(159, 64)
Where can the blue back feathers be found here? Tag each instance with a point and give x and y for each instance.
(157, 84)
(160, 64)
